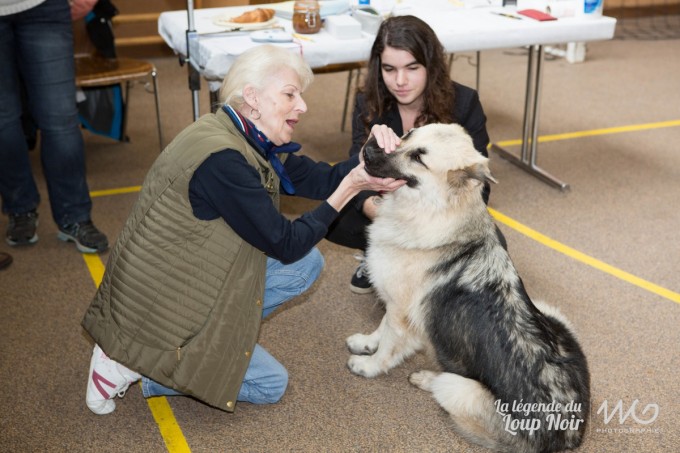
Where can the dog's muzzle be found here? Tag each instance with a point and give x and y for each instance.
(380, 164)
(374, 156)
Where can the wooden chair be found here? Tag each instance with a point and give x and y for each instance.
(94, 71)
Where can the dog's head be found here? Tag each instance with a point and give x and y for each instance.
(432, 158)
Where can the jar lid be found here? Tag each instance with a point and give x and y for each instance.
(305, 6)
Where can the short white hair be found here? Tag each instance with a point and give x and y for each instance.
(255, 66)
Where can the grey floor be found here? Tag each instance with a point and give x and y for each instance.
(606, 253)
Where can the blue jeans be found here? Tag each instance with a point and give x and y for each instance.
(36, 49)
(266, 379)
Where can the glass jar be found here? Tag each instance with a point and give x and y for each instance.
(306, 16)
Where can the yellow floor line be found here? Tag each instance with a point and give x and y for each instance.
(170, 429)
(119, 191)
(582, 257)
(160, 408)
(593, 132)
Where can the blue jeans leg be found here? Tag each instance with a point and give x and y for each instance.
(285, 281)
(36, 46)
(266, 379)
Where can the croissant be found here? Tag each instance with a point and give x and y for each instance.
(256, 15)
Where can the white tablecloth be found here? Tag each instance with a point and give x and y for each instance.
(460, 29)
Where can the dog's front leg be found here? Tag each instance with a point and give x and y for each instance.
(394, 344)
(361, 344)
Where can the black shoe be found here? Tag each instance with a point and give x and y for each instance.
(87, 237)
(360, 283)
(5, 260)
(21, 228)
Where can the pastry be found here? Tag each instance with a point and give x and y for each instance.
(254, 16)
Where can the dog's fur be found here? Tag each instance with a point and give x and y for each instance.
(450, 288)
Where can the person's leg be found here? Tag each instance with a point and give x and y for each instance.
(349, 228)
(285, 281)
(17, 186)
(266, 379)
(152, 388)
(44, 40)
(106, 380)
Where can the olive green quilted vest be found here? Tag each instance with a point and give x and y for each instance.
(181, 298)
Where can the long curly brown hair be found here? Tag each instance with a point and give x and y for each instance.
(411, 34)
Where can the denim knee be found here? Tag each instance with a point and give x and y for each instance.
(265, 389)
(277, 388)
(152, 388)
(316, 264)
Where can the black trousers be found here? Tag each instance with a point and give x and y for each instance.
(349, 228)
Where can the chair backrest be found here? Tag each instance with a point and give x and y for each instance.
(92, 71)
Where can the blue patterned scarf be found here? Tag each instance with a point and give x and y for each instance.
(265, 147)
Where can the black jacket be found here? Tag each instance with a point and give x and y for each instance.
(467, 111)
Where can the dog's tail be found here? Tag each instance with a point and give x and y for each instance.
(471, 406)
(556, 314)
(484, 420)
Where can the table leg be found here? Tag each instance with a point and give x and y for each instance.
(194, 86)
(529, 150)
(193, 72)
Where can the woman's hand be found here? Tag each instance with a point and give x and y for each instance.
(385, 137)
(358, 180)
(81, 8)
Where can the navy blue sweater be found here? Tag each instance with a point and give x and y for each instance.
(225, 185)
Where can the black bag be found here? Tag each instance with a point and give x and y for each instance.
(102, 112)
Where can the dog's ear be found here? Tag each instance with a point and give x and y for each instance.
(481, 172)
(478, 171)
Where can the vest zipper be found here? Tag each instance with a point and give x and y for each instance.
(179, 355)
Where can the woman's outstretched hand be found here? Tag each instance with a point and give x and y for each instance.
(358, 180)
(361, 180)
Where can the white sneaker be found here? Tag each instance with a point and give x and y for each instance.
(106, 380)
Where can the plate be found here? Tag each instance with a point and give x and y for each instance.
(271, 36)
(224, 21)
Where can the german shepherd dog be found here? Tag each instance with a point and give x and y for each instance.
(513, 376)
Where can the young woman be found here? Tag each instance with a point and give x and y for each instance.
(407, 85)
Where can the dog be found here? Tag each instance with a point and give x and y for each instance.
(513, 376)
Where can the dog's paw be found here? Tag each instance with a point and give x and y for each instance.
(422, 379)
(361, 344)
(362, 365)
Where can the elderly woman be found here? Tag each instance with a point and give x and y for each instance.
(206, 254)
